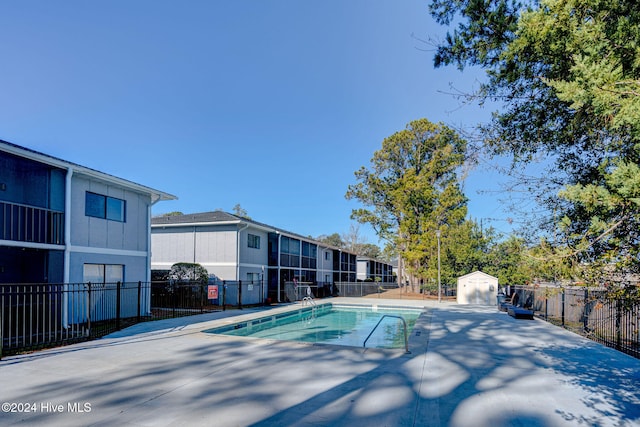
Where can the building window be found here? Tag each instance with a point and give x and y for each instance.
(272, 244)
(253, 278)
(99, 206)
(253, 241)
(103, 273)
(309, 255)
(289, 252)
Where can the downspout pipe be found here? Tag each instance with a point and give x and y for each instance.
(67, 246)
(67, 225)
(246, 225)
(146, 297)
(194, 244)
(153, 202)
(279, 251)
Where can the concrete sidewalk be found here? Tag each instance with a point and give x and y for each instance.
(469, 366)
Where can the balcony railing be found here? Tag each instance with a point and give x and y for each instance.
(25, 223)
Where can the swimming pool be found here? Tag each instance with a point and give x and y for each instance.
(330, 324)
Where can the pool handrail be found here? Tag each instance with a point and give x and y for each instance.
(404, 322)
(308, 300)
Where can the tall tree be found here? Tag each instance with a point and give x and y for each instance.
(332, 239)
(509, 261)
(174, 213)
(240, 211)
(352, 239)
(567, 73)
(369, 250)
(412, 190)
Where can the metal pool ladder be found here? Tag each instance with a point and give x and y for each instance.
(406, 341)
(308, 300)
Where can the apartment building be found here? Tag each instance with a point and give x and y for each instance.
(234, 248)
(370, 269)
(63, 223)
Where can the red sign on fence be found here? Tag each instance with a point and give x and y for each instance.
(212, 292)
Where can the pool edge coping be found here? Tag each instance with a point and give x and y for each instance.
(416, 340)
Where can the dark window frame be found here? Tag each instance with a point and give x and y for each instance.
(253, 241)
(105, 207)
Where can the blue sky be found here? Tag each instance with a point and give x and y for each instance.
(272, 104)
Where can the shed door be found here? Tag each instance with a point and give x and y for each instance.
(479, 291)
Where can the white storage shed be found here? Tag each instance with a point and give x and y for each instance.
(477, 288)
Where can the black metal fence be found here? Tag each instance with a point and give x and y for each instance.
(239, 293)
(380, 289)
(297, 291)
(587, 311)
(36, 316)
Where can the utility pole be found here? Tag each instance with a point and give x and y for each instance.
(439, 285)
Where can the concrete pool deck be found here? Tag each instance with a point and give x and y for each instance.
(468, 366)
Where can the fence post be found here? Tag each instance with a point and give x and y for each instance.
(585, 315)
(618, 324)
(174, 298)
(224, 295)
(533, 299)
(240, 294)
(118, 287)
(546, 304)
(139, 299)
(563, 300)
(202, 294)
(89, 308)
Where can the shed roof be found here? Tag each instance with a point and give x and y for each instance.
(477, 273)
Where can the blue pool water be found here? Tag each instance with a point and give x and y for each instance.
(330, 324)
